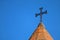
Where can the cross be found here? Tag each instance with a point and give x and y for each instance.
(41, 13)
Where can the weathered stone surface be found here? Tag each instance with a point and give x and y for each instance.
(41, 33)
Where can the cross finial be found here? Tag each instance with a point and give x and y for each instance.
(41, 13)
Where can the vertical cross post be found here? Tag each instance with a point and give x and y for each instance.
(41, 13)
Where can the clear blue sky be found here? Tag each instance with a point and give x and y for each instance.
(18, 21)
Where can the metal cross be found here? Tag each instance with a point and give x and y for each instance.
(41, 13)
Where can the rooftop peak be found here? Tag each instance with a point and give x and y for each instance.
(40, 33)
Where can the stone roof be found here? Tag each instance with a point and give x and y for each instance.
(40, 33)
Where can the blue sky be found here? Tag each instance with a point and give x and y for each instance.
(18, 21)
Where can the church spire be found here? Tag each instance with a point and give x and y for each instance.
(41, 33)
(41, 13)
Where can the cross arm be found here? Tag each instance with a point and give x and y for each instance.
(36, 15)
(44, 12)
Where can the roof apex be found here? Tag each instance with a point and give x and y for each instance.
(40, 33)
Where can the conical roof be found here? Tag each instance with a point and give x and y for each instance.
(41, 33)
